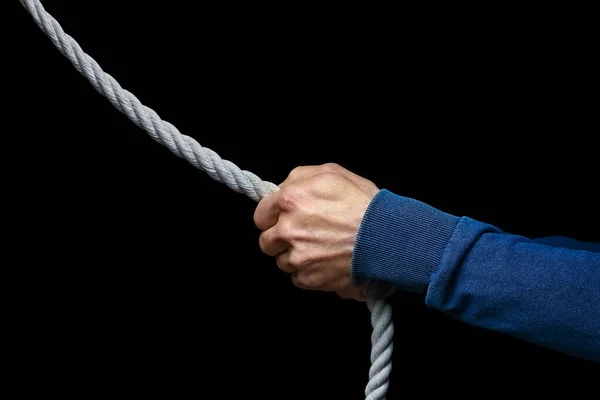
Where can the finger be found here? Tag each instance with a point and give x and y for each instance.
(295, 258)
(346, 289)
(296, 282)
(300, 279)
(271, 243)
(267, 212)
(354, 293)
(283, 262)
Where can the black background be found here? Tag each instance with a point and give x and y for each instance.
(143, 275)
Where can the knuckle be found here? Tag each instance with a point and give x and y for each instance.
(298, 260)
(287, 231)
(288, 199)
(296, 171)
(282, 265)
(331, 167)
(328, 176)
(327, 179)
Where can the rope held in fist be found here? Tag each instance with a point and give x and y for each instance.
(207, 160)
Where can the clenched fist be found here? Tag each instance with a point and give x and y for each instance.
(310, 226)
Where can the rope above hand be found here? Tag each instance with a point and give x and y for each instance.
(207, 160)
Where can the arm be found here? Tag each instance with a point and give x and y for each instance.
(546, 291)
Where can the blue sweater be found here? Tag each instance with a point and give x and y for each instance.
(545, 291)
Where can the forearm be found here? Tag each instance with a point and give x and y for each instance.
(544, 294)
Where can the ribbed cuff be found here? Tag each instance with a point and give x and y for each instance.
(400, 241)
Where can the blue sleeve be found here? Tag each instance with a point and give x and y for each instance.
(545, 291)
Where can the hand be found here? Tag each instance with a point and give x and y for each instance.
(310, 226)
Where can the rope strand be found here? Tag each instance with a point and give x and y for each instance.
(207, 160)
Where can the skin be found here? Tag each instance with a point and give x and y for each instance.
(310, 226)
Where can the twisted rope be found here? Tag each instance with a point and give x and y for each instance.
(207, 160)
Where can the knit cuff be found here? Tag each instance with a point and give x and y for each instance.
(400, 242)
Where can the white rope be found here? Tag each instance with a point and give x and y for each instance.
(210, 162)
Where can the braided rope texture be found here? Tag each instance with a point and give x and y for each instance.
(207, 160)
